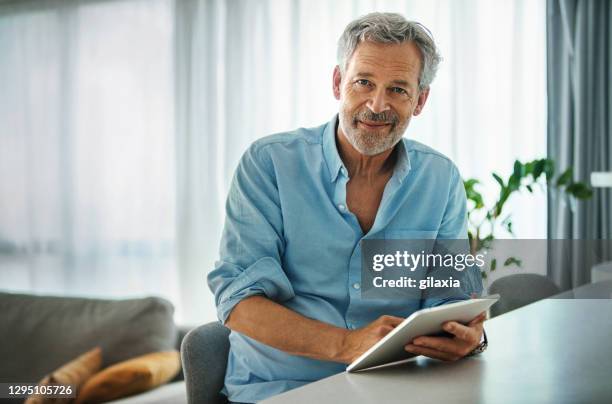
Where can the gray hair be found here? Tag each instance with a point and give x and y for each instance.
(390, 28)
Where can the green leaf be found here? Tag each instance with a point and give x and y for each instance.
(478, 202)
(507, 223)
(486, 242)
(499, 180)
(469, 183)
(472, 194)
(565, 178)
(579, 190)
(519, 170)
(513, 183)
(529, 188)
(549, 168)
(493, 264)
(513, 261)
(538, 168)
(475, 197)
(509, 227)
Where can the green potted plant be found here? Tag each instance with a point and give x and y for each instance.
(484, 219)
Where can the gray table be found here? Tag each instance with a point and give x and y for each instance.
(552, 351)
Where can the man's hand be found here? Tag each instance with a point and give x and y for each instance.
(356, 342)
(466, 339)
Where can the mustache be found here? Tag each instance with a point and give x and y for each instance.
(384, 117)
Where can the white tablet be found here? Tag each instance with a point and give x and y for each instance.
(423, 322)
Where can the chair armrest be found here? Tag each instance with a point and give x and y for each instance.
(204, 352)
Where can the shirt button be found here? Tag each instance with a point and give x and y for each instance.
(356, 285)
(342, 207)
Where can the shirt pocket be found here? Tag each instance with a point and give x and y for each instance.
(411, 241)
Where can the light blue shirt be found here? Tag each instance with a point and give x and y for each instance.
(290, 236)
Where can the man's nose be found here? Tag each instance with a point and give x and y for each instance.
(378, 101)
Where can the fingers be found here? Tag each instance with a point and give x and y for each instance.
(384, 330)
(441, 344)
(470, 334)
(453, 347)
(432, 353)
(390, 320)
(459, 330)
(478, 319)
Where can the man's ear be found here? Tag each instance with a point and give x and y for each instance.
(421, 102)
(336, 82)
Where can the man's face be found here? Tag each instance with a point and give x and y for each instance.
(379, 94)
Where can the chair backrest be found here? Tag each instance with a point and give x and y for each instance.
(519, 290)
(601, 272)
(204, 354)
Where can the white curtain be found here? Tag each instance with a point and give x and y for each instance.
(87, 194)
(124, 120)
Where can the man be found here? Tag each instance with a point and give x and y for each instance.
(288, 280)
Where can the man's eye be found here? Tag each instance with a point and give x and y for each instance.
(399, 90)
(363, 82)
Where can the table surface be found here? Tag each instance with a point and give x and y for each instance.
(551, 351)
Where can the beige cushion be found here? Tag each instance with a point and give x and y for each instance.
(75, 373)
(130, 377)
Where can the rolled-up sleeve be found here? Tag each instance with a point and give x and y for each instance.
(252, 243)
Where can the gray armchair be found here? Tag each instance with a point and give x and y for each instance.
(519, 290)
(204, 354)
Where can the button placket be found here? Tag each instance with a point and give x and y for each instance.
(354, 286)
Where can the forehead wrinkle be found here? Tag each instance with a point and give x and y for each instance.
(377, 60)
(396, 71)
(387, 61)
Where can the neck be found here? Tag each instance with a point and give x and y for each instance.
(360, 165)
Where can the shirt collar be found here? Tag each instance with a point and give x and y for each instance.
(330, 151)
(402, 165)
(335, 164)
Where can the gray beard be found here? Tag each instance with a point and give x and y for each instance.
(369, 143)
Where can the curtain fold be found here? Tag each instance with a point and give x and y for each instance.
(200, 148)
(579, 44)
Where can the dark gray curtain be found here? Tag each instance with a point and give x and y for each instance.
(579, 43)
